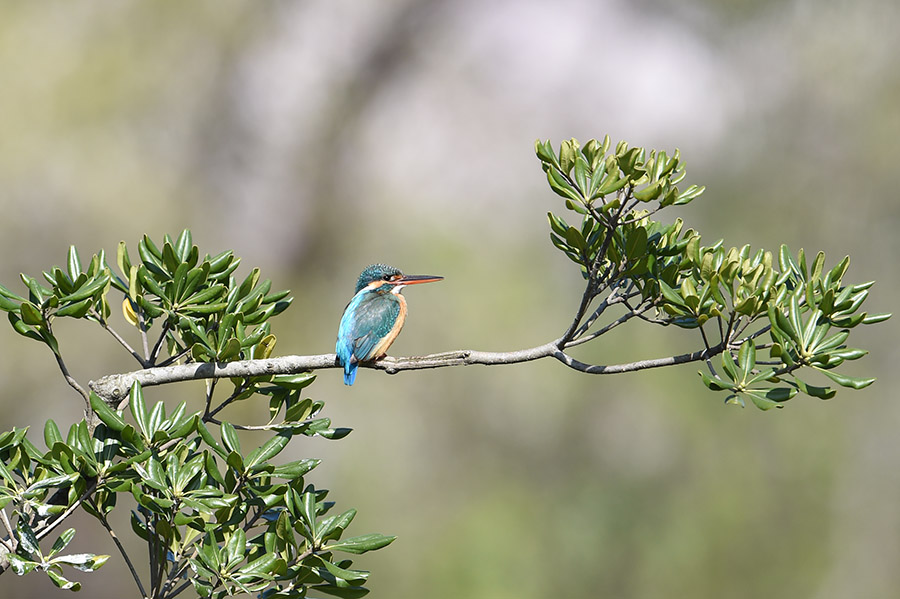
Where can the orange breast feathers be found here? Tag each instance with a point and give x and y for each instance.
(383, 345)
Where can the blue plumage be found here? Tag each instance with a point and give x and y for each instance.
(373, 318)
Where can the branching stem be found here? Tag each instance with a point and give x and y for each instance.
(121, 341)
(114, 388)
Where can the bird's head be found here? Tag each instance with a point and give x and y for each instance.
(381, 277)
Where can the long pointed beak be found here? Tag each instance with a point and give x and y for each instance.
(416, 279)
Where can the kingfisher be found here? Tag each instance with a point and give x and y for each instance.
(373, 318)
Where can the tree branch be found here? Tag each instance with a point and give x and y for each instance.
(639, 365)
(114, 388)
(88, 412)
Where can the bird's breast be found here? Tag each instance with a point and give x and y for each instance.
(382, 346)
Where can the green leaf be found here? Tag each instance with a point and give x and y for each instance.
(170, 260)
(308, 511)
(77, 309)
(875, 318)
(636, 243)
(74, 263)
(62, 582)
(30, 314)
(762, 402)
(344, 592)
(270, 449)
(138, 408)
(209, 439)
(846, 381)
(567, 151)
(294, 381)
(235, 548)
(361, 544)
(28, 542)
(122, 258)
(230, 438)
(9, 305)
(612, 183)
(333, 527)
(295, 469)
(354, 577)
(670, 294)
(689, 194)
(62, 541)
(7, 294)
(730, 368)
(86, 562)
(747, 357)
(813, 391)
(51, 434)
(715, 383)
(148, 281)
(231, 350)
(650, 192)
(581, 174)
(561, 186)
(183, 245)
(87, 290)
(334, 433)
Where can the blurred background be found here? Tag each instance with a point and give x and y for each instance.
(314, 138)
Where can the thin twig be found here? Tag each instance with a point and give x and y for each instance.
(624, 318)
(121, 340)
(175, 358)
(142, 326)
(611, 300)
(155, 353)
(706, 345)
(121, 548)
(649, 213)
(69, 510)
(180, 589)
(234, 395)
(210, 392)
(10, 541)
(178, 568)
(634, 366)
(594, 277)
(88, 412)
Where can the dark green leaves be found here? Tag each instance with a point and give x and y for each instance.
(232, 521)
(362, 543)
(741, 379)
(207, 313)
(729, 296)
(587, 176)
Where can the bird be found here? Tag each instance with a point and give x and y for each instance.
(374, 316)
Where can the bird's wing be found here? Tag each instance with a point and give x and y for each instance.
(373, 318)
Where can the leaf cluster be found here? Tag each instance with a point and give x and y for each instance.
(205, 310)
(206, 314)
(216, 518)
(660, 273)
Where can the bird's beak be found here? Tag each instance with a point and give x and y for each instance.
(416, 279)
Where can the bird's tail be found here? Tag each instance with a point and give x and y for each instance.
(349, 373)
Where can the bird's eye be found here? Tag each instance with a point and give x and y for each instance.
(387, 277)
